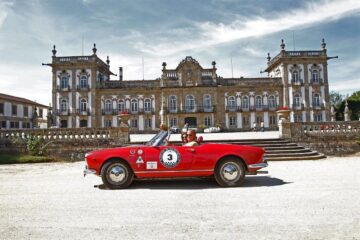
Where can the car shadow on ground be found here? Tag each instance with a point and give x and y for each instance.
(199, 183)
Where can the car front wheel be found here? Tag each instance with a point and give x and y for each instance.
(230, 172)
(116, 175)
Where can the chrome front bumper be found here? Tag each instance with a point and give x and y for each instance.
(258, 165)
(88, 171)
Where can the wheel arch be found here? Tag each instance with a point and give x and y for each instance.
(231, 156)
(116, 159)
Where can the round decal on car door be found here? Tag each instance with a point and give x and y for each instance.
(170, 157)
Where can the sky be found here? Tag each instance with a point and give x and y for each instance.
(169, 30)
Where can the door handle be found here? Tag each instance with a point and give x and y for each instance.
(190, 149)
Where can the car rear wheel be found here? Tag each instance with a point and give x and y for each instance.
(230, 172)
(116, 175)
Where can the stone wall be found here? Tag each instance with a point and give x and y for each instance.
(330, 138)
(68, 144)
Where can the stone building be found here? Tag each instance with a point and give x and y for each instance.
(84, 95)
(16, 112)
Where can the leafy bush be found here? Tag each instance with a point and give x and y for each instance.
(34, 146)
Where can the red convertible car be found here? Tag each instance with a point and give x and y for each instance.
(228, 163)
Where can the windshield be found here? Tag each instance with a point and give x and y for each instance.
(158, 139)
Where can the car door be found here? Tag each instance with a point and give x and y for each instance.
(168, 158)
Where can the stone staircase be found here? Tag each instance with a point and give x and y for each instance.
(279, 149)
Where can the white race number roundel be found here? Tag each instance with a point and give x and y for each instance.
(170, 157)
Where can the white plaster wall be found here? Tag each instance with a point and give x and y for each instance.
(266, 119)
(102, 121)
(238, 120)
(310, 98)
(252, 118)
(290, 97)
(70, 101)
(291, 116)
(227, 120)
(153, 122)
(311, 116)
(7, 109)
(77, 120)
(303, 116)
(323, 116)
(69, 122)
(89, 121)
(322, 96)
(303, 95)
(141, 122)
(114, 121)
(20, 110)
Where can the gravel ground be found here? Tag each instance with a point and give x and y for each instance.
(297, 200)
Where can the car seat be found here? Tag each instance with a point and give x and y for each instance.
(199, 140)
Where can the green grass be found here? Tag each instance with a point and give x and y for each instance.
(16, 158)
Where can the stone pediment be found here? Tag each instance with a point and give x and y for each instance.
(188, 61)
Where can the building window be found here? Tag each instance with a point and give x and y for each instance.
(295, 76)
(245, 102)
(26, 111)
(83, 123)
(232, 121)
(63, 123)
(172, 104)
(258, 102)
(298, 118)
(3, 124)
(134, 105)
(317, 117)
(14, 109)
(272, 120)
(134, 123)
(316, 100)
(64, 82)
(207, 103)
(147, 105)
(190, 103)
(108, 106)
(148, 123)
(63, 106)
(121, 106)
(173, 122)
(259, 119)
(272, 102)
(231, 103)
(207, 121)
(297, 101)
(246, 121)
(108, 123)
(83, 105)
(14, 124)
(83, 81)
(1, 108)
(315, 76)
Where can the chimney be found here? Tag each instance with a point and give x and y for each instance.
(120, 73)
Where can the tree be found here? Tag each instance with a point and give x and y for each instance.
(336, 99)
(353, 105)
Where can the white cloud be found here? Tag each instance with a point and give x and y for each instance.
(4, 8)
(210, 34)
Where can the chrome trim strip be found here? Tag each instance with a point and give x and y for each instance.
(258, 165)
(179, 171)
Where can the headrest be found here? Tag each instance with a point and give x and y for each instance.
(200, 139)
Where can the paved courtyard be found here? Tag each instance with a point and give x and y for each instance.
(297, 200)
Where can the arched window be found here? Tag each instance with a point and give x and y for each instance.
(147, 105)
(63, 106)
(172, 104)
(134, 105)
(231, 103)
(207, 103)
(190, 103)
(316, 100)
(258, 102)
(315, 76)
(272, 102)
(83, 105)
(121, 106)
(83, 81)
(108, 107)
(297, 100)
(295, 76)
(245, 102)
(64, 82)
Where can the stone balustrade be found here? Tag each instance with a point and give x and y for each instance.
(67, 134)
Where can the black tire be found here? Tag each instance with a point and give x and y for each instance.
(116, 175)
(233, 176)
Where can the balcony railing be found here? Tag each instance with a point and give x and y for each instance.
(298, 106)
(318, 105)
(62, 88)
(83, 111)
(317, 81)
(299, 82)
(62, 112)
(128, 111)
(83, 87)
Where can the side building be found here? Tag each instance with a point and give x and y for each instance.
(84, 95)
(16, 112)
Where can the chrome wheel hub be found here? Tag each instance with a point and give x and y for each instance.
(230, 172)
(116, 173)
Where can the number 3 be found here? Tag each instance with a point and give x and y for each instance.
(169, 157)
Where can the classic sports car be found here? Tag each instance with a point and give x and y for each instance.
(228, 163)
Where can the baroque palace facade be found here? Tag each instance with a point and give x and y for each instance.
(83, 95)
